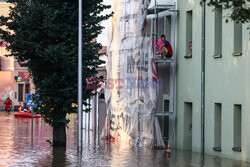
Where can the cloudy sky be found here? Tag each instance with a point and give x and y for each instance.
(102, 38)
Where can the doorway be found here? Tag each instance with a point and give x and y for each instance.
(101, 112)
(20, 92)
(188, 113)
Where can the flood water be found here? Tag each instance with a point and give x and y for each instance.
(16, 149)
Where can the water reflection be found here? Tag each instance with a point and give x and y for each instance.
(16, 149)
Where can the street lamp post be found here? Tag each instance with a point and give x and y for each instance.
(79, 113)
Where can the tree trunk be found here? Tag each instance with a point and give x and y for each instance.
(59, 135)
(59, 156)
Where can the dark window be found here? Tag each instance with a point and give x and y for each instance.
(189, 30)
(237, 37)
(188, 119)
(237, 124)
(102, 96)
(20, 92)
(27, 88)
(218, 32)
(217, 124)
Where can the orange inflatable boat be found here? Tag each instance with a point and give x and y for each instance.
(26, 115)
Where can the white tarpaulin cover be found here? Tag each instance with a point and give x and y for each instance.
(130, 87)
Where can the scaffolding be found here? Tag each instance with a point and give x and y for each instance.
(155, 9)
(133, 113)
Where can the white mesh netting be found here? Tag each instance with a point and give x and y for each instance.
(130, 87)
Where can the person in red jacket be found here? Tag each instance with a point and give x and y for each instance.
(169, 50)
(7, 103)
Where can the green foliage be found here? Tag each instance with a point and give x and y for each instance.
(43, 36)
(240, 9)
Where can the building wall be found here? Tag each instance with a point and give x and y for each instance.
(227, 81)
(6, 86)
(9, 68)
(188, 74)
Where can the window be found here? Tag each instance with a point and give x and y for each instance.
(102, 96)
(27, 88)
(237, 39)
(166, 127)
(166, 105)
(20, 92)
(237, 128)
(218, 33)
(217, 127)
(189, 31)
(188, 107)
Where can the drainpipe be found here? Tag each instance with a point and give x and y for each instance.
(203, 79)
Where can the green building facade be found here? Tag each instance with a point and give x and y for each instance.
(227, 79)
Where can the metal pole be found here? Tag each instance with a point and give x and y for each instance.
(174, 80)
(154, 112)
(94, 115)
(155, 35)
(97, 115)
(138, 108)
(80, 76)
(32, 119)
(140, 81)
(89, 115)
(203, 80)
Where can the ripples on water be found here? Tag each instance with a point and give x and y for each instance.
(16, 149)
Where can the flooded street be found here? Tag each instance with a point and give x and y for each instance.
(16, 149)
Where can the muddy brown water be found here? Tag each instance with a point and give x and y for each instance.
(16, 149)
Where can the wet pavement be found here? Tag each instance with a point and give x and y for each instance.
(16, 149)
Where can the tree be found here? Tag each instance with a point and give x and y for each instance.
(43, 36)
(240, 10)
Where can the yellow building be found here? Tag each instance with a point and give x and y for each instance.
(15, 81)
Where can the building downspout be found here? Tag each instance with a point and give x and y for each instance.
(203, 79)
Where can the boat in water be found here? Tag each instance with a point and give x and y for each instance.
(26, 115)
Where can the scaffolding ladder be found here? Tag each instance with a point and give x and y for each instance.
(156, 9)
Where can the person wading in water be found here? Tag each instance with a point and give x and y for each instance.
(7, 103)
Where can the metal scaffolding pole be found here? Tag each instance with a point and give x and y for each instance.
(79, 135)
(138, 107)
(154, 112)
(173, 65)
